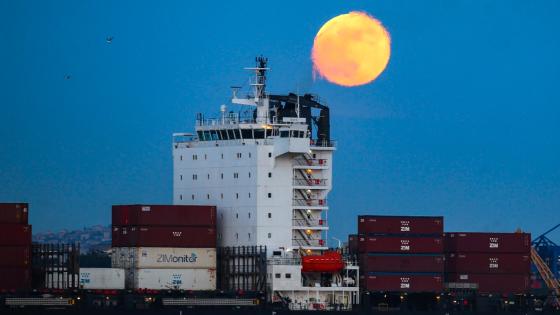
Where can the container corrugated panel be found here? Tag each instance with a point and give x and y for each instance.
(487, 263)
(164, 215)
(403, 282)
(15, 256)
(487, 242)
(493, 283)
(173, 279)
(164, 236)
(102, 278)
(373, 224)
(401, 263)
(163, 257)
(15, 235)
(15, 278)
(14, 213)
(398, 244)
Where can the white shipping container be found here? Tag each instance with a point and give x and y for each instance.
(173, 279)
(102, 278)
(163, 257)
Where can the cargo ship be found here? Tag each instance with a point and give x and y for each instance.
(247, 233)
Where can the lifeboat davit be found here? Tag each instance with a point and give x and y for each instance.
(327, 262)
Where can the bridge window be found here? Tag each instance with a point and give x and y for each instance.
(259, 133)
(214, 135)
(284, 134)
(237, 134)
(207, 136)
(247, 133)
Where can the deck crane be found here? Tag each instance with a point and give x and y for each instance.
(546, 274)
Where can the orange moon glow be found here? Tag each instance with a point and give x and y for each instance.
(351, 49)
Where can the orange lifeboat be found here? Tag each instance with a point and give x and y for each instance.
(328, 262)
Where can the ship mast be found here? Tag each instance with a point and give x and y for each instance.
(259, 99)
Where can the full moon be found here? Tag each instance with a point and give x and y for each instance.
(351, 49)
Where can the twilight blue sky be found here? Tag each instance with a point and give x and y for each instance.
(464, 122)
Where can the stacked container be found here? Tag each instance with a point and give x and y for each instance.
(165, 246)
(401, 253)
(497, 263)
(15, 247)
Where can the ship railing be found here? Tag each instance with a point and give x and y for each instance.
(309, 182)
(322, 143)
(310, 202)
(284, 261)
(310, 162)
(309, 222)
(308, 242)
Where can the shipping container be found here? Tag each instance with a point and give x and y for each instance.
(403, 282)
(15, 213)
(15, 278)
(164, 215)
(401, 263)
(172, 279)
(493, 283)
(487, 263)
(375, 224)
(102, 278)
(15, 235)
(487, 242)
(164, 236)
(353, 244)
(400, 244)
(15, 256)
(163, 257)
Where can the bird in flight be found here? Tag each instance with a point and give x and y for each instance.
(109, 39)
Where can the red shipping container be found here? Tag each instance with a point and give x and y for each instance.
(494, 283)
(404, 283)
(353, 244)
(15, 278)
(164, 215)
(14, 213)
(487, 263)
(12, 256)
(374, 224)
(488, 242)
(164, 236)
(402, 263)
(15, 235)
(398, 244)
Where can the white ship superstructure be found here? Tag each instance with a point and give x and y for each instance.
(268, 169)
